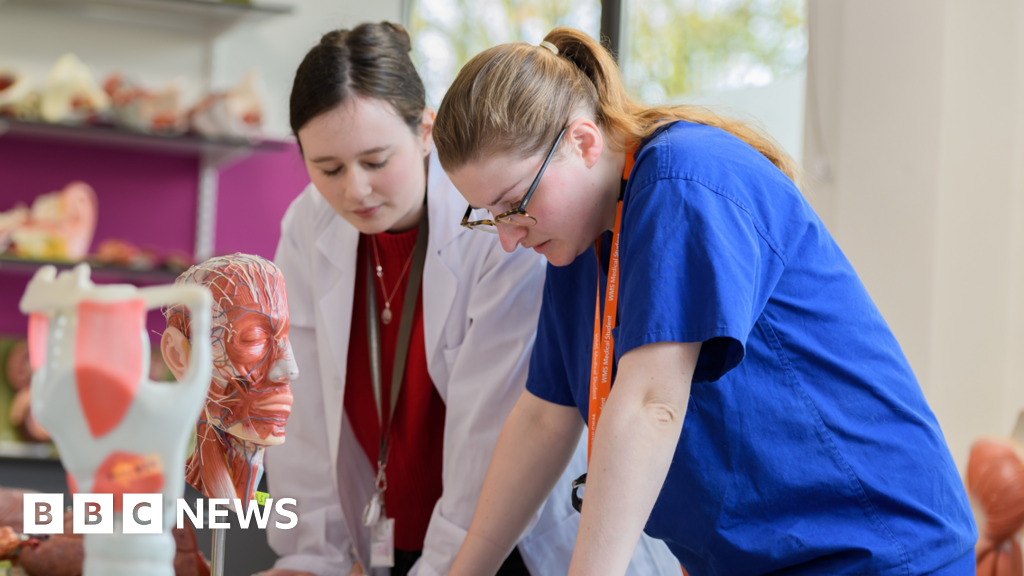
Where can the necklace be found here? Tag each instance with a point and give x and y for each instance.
(385, 314)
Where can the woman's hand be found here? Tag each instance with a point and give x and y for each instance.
(536, 444)
(633, 448)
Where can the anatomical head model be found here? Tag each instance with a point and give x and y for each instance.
(250, 398)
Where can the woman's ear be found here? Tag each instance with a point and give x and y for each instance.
(427, 130)
(587, 140)
(176, 351)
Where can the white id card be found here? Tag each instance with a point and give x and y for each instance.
(382, 543)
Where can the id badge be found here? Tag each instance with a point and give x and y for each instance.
(382, 543)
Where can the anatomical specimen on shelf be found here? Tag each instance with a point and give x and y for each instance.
(60, 225)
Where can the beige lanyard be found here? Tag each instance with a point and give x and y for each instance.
(412, 291)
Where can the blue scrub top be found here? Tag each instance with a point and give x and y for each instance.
(807, 446)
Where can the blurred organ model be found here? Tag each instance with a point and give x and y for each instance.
(60, 225)
(17, 99)
(19, 376)
(236, 113)
(250, 397)
(995, 479)
(147, 111)
(71, 94)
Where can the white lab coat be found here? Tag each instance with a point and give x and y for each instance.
(480, 309)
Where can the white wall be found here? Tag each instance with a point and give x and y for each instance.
(777, 107)
(913, 144)
(278, 46)
(31, 40)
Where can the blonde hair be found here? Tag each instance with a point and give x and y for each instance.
(516, 98)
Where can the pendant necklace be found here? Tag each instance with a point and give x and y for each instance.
(385, 314)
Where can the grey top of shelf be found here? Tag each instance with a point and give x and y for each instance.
(28, 450)
(219, 149)
(102, 272)
(204, 17)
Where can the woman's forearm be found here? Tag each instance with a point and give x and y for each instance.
(633, 449)
(535, 445)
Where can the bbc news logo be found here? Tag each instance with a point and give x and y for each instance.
(143, 513)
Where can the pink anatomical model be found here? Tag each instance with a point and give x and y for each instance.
(250, 398)
(60, 225)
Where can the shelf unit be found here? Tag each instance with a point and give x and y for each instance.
(200, 21)
(207, 18)
(213, 153)
(203, 18)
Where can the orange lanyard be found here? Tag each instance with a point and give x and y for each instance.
(604, 344)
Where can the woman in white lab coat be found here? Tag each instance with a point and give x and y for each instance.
(358, 109)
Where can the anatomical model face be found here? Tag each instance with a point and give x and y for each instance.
(249, 396)
(249, 399)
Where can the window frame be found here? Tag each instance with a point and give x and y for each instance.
(611, 25)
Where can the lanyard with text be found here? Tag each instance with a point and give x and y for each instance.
(603, 350)
(382, 538)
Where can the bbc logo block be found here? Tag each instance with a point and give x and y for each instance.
(143, 513)
(93, 513)
(43, 513)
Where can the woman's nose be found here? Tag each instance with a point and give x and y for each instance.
(357, 185)
(510, 235)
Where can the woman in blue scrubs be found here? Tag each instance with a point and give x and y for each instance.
(761, 416)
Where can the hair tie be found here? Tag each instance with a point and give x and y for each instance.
(549, 46)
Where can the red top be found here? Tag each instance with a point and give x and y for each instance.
(417, 436)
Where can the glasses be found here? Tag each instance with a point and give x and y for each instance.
(516, 216)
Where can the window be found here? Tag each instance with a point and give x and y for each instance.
(447, 33)
(740, 57)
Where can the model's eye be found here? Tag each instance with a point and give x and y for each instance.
(252, 336)
(334, 172)
(376, 165)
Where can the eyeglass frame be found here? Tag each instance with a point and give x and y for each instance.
(521, 209)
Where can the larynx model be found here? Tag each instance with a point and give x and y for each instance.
(117, 432)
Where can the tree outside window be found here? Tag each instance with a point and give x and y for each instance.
(676, 47)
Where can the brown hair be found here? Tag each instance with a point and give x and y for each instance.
(369, 60)
(517, 97)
